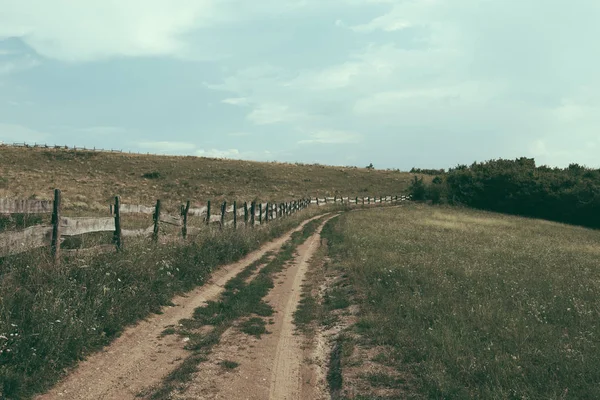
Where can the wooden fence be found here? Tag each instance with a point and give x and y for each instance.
(223, 215)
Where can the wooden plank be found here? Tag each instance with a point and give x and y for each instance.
(197, 212)
(136, 209)
(170, 219)
(79, 226)
(16, 206)
(215, 219)
(230, 209)
(15, 242)
(138, 232)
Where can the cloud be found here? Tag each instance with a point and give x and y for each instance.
(236, 101)
(166, 146)
(270, 113)
(88, 30)
(214, 153)
(13, 133)
(332, 137)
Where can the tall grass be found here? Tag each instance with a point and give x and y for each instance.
(52, 317)
(470, 304)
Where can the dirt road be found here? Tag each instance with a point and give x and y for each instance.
(274, 366)
(141, 357)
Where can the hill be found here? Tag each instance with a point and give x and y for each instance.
(90, 179)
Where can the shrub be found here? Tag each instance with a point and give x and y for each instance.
(152, 175)
(417, 189)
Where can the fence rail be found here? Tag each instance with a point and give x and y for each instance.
(235, 215)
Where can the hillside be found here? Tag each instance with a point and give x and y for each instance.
(90, 179)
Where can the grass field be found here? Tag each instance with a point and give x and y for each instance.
(89, 180)
(460, 304)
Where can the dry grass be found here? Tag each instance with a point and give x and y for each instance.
(89, 180)
(472, 304)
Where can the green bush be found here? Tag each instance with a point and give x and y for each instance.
(417, 189)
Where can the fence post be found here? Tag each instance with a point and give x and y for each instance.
(118, 237)
(246, 213)
(156, 221)
(317, 201)
(55, 243)
(267, 213)
(208, 212)
(223, 211)
(235, 214)
(184, 213)
(252, 213)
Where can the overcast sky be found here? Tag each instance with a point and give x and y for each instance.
(428, 83)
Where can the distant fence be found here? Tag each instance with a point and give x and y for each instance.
(224, 215)
(65, 147)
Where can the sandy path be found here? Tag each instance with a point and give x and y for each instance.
(272, 367)
(140, 358)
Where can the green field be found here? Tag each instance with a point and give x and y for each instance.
(461, 304)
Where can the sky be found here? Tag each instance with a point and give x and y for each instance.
(396, 83)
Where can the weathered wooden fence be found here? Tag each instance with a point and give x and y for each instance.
(225, 215)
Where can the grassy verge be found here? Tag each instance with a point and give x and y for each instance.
(50, 318)
(460, 304)
(239, 300)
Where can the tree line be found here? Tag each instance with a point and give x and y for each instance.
(569, 195)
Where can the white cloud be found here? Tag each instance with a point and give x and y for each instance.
(270, 113)
(214, 153)
(87, 30)
(13, 133)
(332, 137)
(166, 146)
(236, 101)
